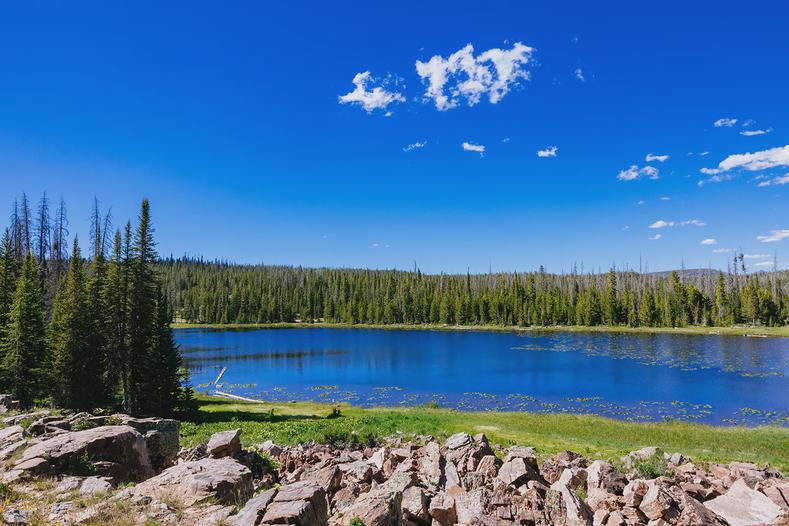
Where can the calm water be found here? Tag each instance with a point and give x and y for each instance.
(714, 379)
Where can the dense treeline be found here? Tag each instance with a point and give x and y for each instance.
(215, 292)
(82, 332)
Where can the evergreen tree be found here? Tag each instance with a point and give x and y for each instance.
(24, 348)
(72, 372)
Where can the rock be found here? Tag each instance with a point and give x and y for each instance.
(779, 494)
(359, 471)
(642, 454)
(121, 449)
(69, 484)
(224, 443)
(430, 464)
(161, 435)
(95, 486)
(378, 458)
(575, 511)
(220, 480)
(742, 506)
(451, 475)
(345, 497)
(603, 475)
(270, 448)
(693, 512)
(11, 448)
(11, 433)
(302, 504)
(15, 516)
(442, 509)
(489, 466)
(470, 505)
(328, 478)
(252, 512)
(572, 478)
(415, 505)
(458, 440)
(659, 504)
(517, 472)
(634, 493)
(377, 507)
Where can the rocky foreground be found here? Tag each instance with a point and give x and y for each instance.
(100, 469)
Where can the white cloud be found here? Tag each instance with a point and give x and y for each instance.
(762, 160)
(660, 158)
(548, 152)
(723, 250)
(764, 264)
(505, 140)
(463, 77)
(414, 146)
(626, 227)
(665, 198)
(655, 237)
(374, 99)
(704, 154)
(579, 74)
(664, 224)
(773, 236)
(751, 133)
(715, 179)
(634, 172)
(776, 181)
(642, 202)
(756, 256)
(471, 147)
(709, 241)
(728, 123)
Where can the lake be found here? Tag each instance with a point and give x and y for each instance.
(640, 377)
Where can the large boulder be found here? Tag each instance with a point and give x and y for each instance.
(604, 476)
(743, 506)
(161, 438)
(115, 451)
(301, 504)
(517, 471)
(222, 480)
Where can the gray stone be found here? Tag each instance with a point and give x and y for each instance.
(162, 438)
(742, 506)
(458, 440)
(603, 475)
(221, 480)
(659, 504)
(95, 486)
(377, 507)
(517, 472)
(224, 443)
(252, 512)
(121, 449)
(15, 516)
(302, 503)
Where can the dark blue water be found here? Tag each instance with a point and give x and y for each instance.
(713, 379)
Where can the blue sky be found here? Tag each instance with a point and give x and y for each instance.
(228, 117)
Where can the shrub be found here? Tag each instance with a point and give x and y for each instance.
(652, 467)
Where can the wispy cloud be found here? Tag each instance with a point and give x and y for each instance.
(776, 181)
(634, 172)
(463, 77)
(414, 146)
(762, 160)
(773, 236)
(709, 241)
(579, 74)
(626, 227)
(377, 98)
(665, 198)
(548, 152)
(723, 250)
(471, 147)
(655, 237)
(756, 256)
(725, 123)
(751, 133)
(666, 224)
(715, 179)
(659, 158)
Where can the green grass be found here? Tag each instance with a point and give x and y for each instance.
(593, 436)
(777, 332)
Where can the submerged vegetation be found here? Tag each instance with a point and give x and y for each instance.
(221, 293)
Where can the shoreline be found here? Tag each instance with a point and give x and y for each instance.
(756, 332)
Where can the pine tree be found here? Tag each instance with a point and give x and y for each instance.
(114, 298)
(164, 393)
(7, 281)
(71, 372)
(142, 309)
(24, 348)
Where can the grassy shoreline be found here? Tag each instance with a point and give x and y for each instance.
(589, 435)
(773, 332)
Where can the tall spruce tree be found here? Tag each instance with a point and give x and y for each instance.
(24, 348)
(71, 367)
